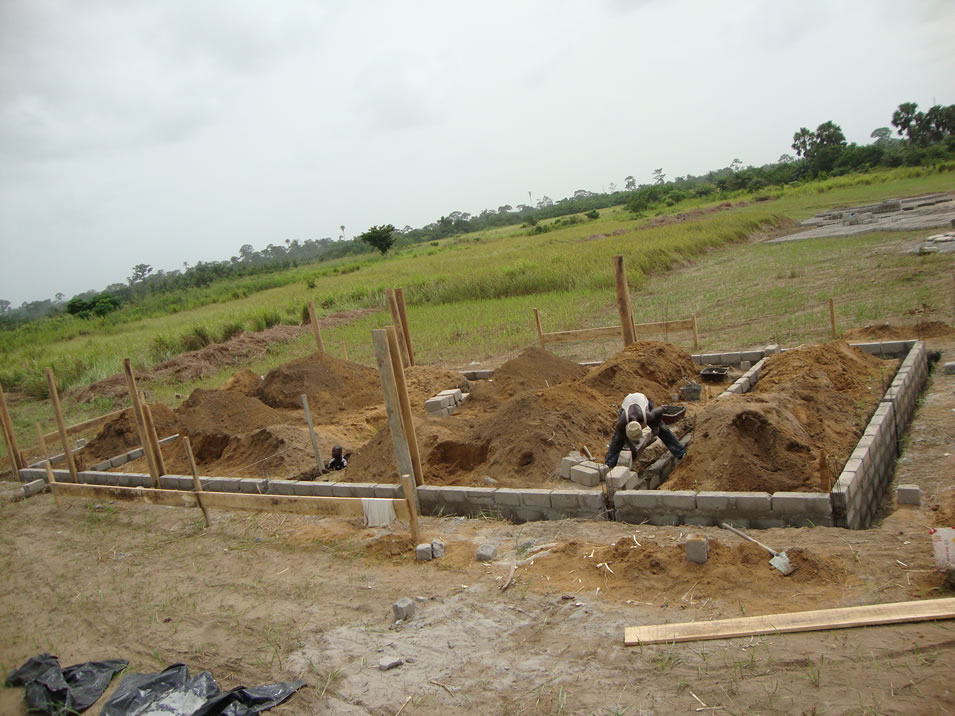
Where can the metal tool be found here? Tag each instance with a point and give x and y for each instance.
(780, 560)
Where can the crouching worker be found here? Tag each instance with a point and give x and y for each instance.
(638, 425)
(338, 461)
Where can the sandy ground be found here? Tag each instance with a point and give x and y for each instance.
(268, 597)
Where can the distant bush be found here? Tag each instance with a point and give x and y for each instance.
(229, 330)
(592, 214)
(162, 348)
(198, 337)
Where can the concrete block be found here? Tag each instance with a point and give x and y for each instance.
(948, 368)
(34, 487)
(423, 552)
(437, 548)
(302, 488)
(536, 498)
(771, 349)
(585, 475)
(908, 495)
(697, 549)
(506, 497)
(730, 358)
(625, 459)
(342, 489)
(894, 348)
(480, 496)
(592, 504)
(252, 486)
(714, 501)
(117, 461)
(745, 365)
(486, 553)
(710, 358)
(752, 356)
(385, 490)
(664, 520)
(801, 503)
(101, 466)
(454, 494)
(364, 489)
(677, 500)
(752, 503)
(565, 500)
(92, 478)
(131, 480)
(454, 393)
(621, 478)
(135, 454)
(281, 487)
(404, 608)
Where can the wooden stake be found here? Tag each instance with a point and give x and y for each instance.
(196, 482)
(696, 334)
(319, 343)
(540, 331)
(396, 321)
(42, 438)
(9, 437)
(392, 407)
(312, 435)
(411, 496)
(51, 479)
(404, 404)
(623, 301)
(140, 421)
(344, 350)
(153, 439)
(832, 317)
(403, 312)
(61, 426)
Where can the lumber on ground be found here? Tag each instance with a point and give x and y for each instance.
(815, 620)
(300, 505)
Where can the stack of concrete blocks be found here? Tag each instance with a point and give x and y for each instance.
(445, 402)
(622, 477)
(587, 473)
(567, 463)
(478, 374)
(747, 381)
(658, 472)
(525, 505)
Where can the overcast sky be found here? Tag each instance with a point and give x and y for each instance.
(171, 131)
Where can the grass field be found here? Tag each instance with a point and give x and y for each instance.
(470, 298)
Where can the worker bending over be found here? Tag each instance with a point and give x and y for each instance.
(638, 425)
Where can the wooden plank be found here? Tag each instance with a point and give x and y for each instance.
(832, 316)
(387, 374)
(51, 480)
(403, 312)
(311, 434)
(647, 329)
(404, 405)
(623, 301)
(581, 334)
(696, 334)
(196, 483)
(396, 322)
(44, 450)
(140, 421)
(60, 424)
(411, 501)
(9, 437)
(86, 424)
(319, 343)
(841, 618)
(540, 330)
(236, 501)
(153, 439)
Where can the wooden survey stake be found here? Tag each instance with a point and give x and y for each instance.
(153, 439)
(60, 424)
(815, 620)
(313, 319)
(403, 312)
(623, 301)
(392, 407)
(196, 483)
(16, 459)
(140, 421)
(404, 404)
(51, 479)
(832, 317)
(312, 435)
(411, 497)
(396, 321)
(540, 331)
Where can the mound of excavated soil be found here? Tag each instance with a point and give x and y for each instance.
(534, 369)
(245, 381)
(794, 432)
(330, 383)
(425, 381)
(886, 331)
(120, 435)
(519, 441)
(650, 367)
(225, 411)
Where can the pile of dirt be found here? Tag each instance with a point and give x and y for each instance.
(425, 381)
(219, 411)
(653, 368)
(120, 435)
(794, 432)
(330, 383)
(886, 331)
(245, 382)
(535, 369)
(276, 451)
(519, 441)
(663, 569)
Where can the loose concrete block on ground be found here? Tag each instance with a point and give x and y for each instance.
(423, 552)
(697, 549)
(586, 473)
(34, 487)
(908, 495)
(486, 553)
(437, 548)
(622, 478)
(404, 608)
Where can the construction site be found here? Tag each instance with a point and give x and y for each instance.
(475, 551)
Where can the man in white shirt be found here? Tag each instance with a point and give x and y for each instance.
(638, 425)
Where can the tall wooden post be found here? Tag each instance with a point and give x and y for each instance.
(396, 321)
(411, 497)
(197, 485)
(140, 421)
(311, 433)
(696, 335)
(16, 459)
(832, 317)
(623, 301)
(61, 425)
(540, 331)
(51, 479)
(313, 319)
(44, 451)
(403, 312)
(404, 403)
(392, 407)
(344, 350)
(153, 439)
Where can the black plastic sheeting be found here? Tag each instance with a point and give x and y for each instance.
(172, 692)
(55, 691)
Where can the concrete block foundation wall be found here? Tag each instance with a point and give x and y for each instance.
(852, 502)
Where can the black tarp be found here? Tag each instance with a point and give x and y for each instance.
(55, 691)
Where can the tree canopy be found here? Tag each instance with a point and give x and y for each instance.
(381, 237)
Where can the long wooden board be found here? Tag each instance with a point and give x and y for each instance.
(640, 329)
(842, 618)
(299, 505)
(86, 424)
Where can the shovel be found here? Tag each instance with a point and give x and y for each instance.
(780, 560)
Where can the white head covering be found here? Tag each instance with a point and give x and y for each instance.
(635, 430)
